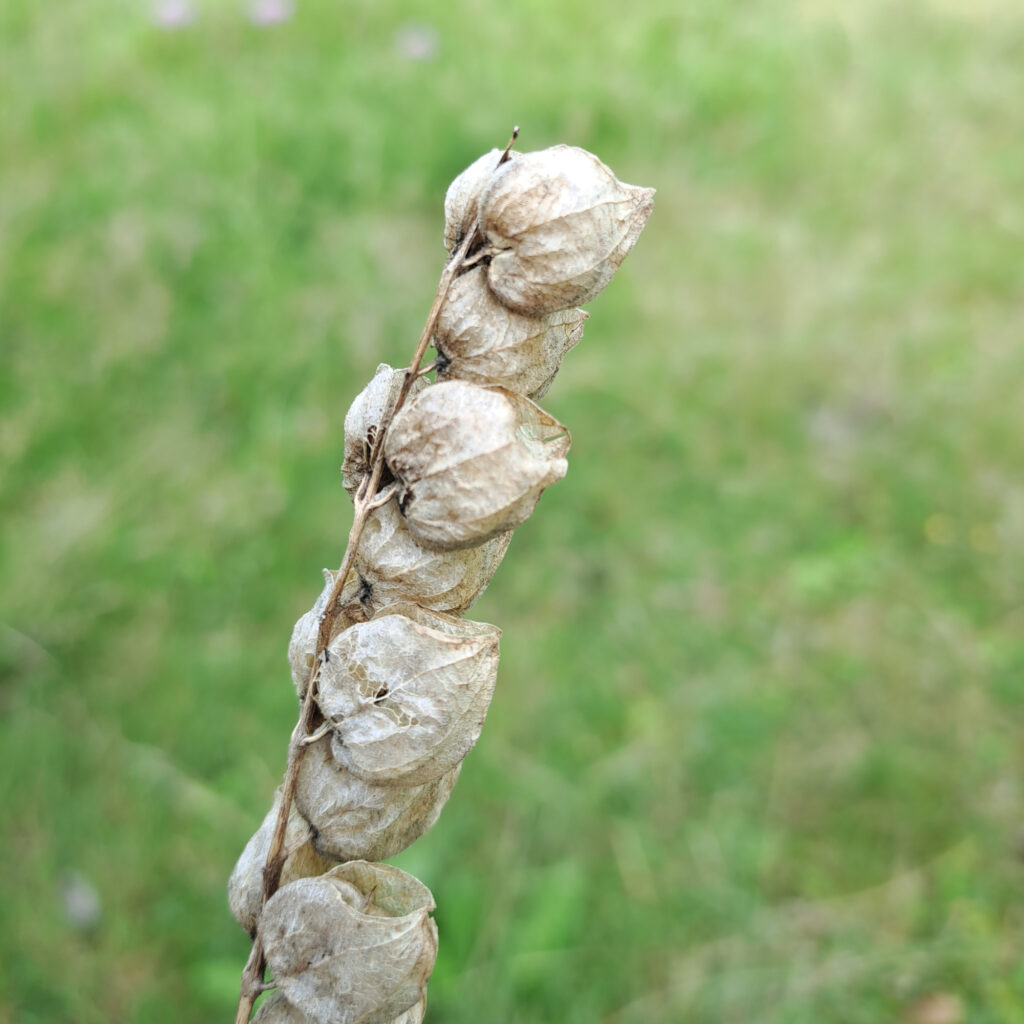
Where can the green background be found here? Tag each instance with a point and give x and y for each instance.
(756, 750)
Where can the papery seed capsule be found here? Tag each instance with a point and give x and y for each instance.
(407, 693)
(245, 887)
(472, 462)
(354, 946)
(393, 566)
(302, 646)
(364, 419)
(483, 341)
(357, 820)
(460, 201)
(563, 223)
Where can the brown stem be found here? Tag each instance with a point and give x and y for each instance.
(365, 501)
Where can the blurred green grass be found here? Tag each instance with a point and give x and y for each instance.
(756, 752)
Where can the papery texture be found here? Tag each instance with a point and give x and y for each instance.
(356, 820)
(245, 887)
(394, 566)
(472, 462)
(354, 946)
(564, 223)
(302, 646)
(364, 419)
(407, 693)
(460, 201)
(481, 340)
(277, 1010)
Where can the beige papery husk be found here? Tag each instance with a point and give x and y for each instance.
(483, 341)
(472, 462)
(393, 566)
(460, 201)
(357, 820)
(364, 418)
(277, 1010)
(407, 693)
(245, 887)
(563, 223)
(354, 946)
(302, 646)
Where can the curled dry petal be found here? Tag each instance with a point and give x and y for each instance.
(472, 462)
(483, 341)
(356, 820)
(393, 566)
(564, 223)
(245, 887)
(354, 946)
(407, 693)
(302, 646)
(364, 418)
(460, 201)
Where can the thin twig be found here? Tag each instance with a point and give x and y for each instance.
(366, 499)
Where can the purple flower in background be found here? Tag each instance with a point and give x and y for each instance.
(417, 42)
(173, 13)
(270, 12)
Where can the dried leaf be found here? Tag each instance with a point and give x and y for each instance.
(357, 820)
(460, 201)
(472, 461)
(394, 567)
(302, 646)
(245, 887)
(564, 223)
(483, 341)
(407, 693)
(277, 1010)
(354, 946)
(364, 418)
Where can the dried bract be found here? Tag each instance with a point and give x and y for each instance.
(354, 946)
(364, 418)
(407, 693)
(302, 646)
(472, 462)
(394, 566)
(245, 887)
(482, 341)
(356, 820)
(460, 201)
(564, 223)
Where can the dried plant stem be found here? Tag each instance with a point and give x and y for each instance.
(365, 501)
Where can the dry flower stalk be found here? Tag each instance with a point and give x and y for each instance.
(393, 682)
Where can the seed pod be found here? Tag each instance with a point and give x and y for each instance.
(472, 461)
(245, 887)
(355, 820)
(407, 693)
(354, 946)
(483, 341)
(302, 646)
(460, 201)
(364, 418)
(394, 567)
(277, 1010)
(564, 223)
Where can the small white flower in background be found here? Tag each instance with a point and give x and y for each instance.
(270, 12)
(417, 42)
(80, 901)
(174, 13)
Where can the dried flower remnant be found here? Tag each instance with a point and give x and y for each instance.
(472, 462)
(357, 820)
(407, 693)
(355, 945)
(563, 223)
(393, 683)
(393, 566)
(483, 341)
